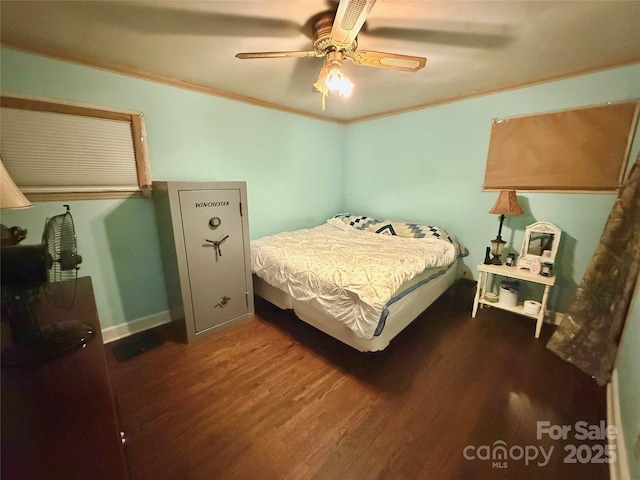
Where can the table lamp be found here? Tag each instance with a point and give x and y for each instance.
(11, 198)
(507, 204)
(10, 194)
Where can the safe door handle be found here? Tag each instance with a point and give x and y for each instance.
(216, 245)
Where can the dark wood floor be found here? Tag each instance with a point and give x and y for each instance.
(273, 398)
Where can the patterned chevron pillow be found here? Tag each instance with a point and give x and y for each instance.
(359, 222)
(401, 229)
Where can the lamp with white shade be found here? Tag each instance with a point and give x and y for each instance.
(11, 198)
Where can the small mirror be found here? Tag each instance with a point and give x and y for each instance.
(540, 242)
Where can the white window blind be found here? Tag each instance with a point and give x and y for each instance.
(67, 151)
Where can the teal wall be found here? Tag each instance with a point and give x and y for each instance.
(428, 166)
(293, 175)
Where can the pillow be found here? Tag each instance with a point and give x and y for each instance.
(360, 222)
(417, 230)
(402, 229)
(411, 230)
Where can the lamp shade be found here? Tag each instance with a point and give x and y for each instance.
(10, 194)
(507, 204)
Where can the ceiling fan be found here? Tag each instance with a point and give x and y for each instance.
(335, 39)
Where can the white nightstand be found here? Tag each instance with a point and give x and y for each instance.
(520, 274)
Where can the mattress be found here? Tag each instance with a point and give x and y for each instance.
(349, 274)
(415, 296)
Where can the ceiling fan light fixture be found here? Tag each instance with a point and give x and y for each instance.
(334, 78)
(346, 87)
(336, 81)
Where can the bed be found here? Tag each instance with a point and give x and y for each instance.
(360, 279)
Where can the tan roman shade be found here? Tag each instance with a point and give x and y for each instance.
(584, 149)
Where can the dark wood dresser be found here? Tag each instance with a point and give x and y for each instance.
(58, 418)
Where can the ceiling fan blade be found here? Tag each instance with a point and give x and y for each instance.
(165, 18)
(393, 61)
(349, 19)
(294, 54)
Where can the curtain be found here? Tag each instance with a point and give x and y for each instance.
(590, 331)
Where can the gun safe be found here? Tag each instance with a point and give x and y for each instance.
(204, 238)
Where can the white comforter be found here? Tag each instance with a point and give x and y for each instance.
(346, 273)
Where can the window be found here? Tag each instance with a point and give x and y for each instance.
(65, 151)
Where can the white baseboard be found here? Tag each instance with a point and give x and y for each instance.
(117, 332)
(618, 470)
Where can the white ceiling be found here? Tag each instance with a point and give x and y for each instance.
(471, 47)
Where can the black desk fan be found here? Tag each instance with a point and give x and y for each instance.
(53, 267)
